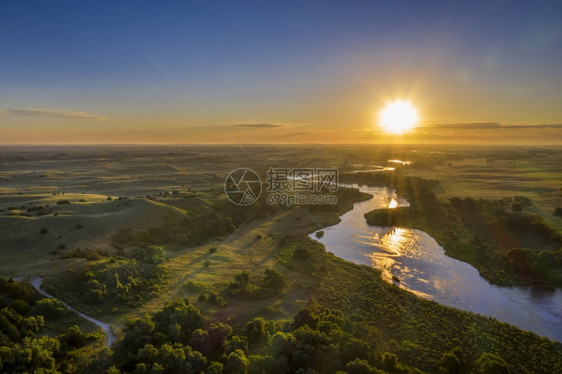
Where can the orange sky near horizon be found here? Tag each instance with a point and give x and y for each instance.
(279, 72)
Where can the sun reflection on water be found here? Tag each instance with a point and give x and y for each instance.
(394, 241)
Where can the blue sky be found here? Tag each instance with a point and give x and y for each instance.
(302, 65)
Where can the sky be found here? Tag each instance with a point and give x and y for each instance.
(101, 72)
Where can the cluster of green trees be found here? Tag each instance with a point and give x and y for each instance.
(23, 317)
(317, 339)
(118, 280)
(250, 287)
(88, 254)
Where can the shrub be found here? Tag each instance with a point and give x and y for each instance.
(63, 202)
(50, 308)
(215, 299)
(43, 231)
(273, 280)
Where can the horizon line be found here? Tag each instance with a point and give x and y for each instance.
(269, 144)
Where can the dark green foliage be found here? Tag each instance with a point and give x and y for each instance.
(325, 346)
(74, 338)
(43, 231)
(305, 255)
(325, 340)
(255, 330)
(50, 308)
(237, 363)
(273, 281)
(89, 254)
(63, 202)
(215, 299)
(23, 314)
(558, 212)
(489, 363)
(246, 286)
(118, 281)
(175, 323)
(516, 207)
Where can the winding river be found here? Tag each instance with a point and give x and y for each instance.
(414, 261)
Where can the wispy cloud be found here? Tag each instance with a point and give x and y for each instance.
(51, 113)
(468, 125)
(293, 134)
(488, 126)
(261, 125)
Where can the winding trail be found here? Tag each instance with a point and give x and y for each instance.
(110, 337)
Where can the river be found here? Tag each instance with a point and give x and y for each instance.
(422, 267)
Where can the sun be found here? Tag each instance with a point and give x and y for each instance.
(398, 117)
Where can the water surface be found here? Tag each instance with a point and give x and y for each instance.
(421, 265)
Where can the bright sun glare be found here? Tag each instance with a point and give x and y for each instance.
(398, 117)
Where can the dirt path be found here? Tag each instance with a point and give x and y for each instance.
(111, 338)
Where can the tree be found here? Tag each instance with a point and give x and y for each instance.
(449, 364)
(489, 363)
(358, 366)
(242, 280)
(218, 333)
(214, 368)
(273, 280)
(389, 362)
(516, 207)
(255, 330)
(281, 344)
(237, 363)
(181, 313)
(200, 341)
